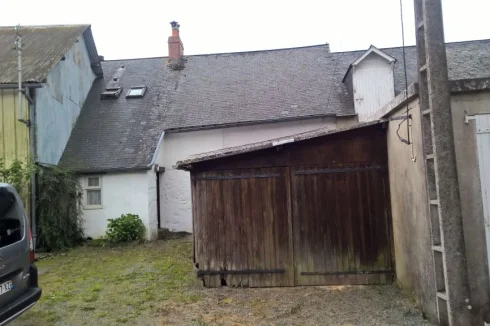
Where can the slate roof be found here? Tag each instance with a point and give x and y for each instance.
(42, 48)
(247, 148)
(121, 134)
(226, 89)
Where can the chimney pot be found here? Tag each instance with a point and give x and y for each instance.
(175, 45)
(175, 25)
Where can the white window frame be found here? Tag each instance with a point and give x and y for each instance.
(87, 187)
(141, 88)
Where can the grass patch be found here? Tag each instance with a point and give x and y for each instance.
(113, 285)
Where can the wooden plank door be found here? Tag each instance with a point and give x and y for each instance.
(341, 225)
(242, 226)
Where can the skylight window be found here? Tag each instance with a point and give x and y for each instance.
(111, 93)
(136, 91)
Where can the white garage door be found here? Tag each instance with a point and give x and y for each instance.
(483, 143)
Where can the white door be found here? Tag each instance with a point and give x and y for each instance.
(483, 144)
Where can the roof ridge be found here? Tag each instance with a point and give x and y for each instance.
(326, 45)
(47, 26)
(130, 59)
(292, 48)
(412, 46)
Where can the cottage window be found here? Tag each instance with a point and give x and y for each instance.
(136, 91)
(93, 192)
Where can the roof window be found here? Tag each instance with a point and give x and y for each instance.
(136, 91)
(112, 92)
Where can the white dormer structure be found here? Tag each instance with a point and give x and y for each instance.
(370, 80)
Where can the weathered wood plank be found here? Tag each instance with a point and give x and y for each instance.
(245, 235)
(266, 218)
(228, 220)
(273, 253)
(236, 200)
(248, 220)
(291, 278)
(195, 205)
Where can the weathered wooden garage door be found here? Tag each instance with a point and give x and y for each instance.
(341, 225)
(242, 234)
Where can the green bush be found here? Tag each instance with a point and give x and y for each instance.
(126, 228)
(18, 174)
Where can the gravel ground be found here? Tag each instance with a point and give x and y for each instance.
(341, 305)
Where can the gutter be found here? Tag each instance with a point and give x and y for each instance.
(12, 86)
(113, 170)
(155, 154)
(257, 122)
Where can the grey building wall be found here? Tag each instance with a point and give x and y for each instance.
(59, 101)
(414, 262)
(470, 193)
(411, 228)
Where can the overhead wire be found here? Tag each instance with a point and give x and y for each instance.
(407, 117)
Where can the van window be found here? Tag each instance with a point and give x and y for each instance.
(11, 218)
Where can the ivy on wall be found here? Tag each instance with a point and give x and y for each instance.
(58, 204)
(59, 209)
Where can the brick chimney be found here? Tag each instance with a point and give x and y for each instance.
(175, 45)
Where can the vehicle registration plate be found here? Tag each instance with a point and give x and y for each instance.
(5, 287)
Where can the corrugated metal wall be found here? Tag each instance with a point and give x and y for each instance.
(14, 143)
(483, 143)
(59, 102)
(14, 135)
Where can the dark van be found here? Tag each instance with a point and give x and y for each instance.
(19, 288)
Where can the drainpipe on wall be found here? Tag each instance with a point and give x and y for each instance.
(32, 144)
(157, 170)
(18, 46)
(30, 124)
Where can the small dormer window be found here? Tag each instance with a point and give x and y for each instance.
(136, 91)
(112, 92)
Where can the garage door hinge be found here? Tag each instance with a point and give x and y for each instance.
(467, 118)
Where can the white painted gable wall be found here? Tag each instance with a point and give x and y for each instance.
(373, 85)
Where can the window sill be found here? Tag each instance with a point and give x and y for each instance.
(93, 207)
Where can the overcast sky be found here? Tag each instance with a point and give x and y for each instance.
(132, 29)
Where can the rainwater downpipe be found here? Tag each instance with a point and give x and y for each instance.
(158, 170)
(30, 124)
(18, 45)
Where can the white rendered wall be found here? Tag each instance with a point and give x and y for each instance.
(175, 190)
(122, 193)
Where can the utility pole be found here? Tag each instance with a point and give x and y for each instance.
(448, 245)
